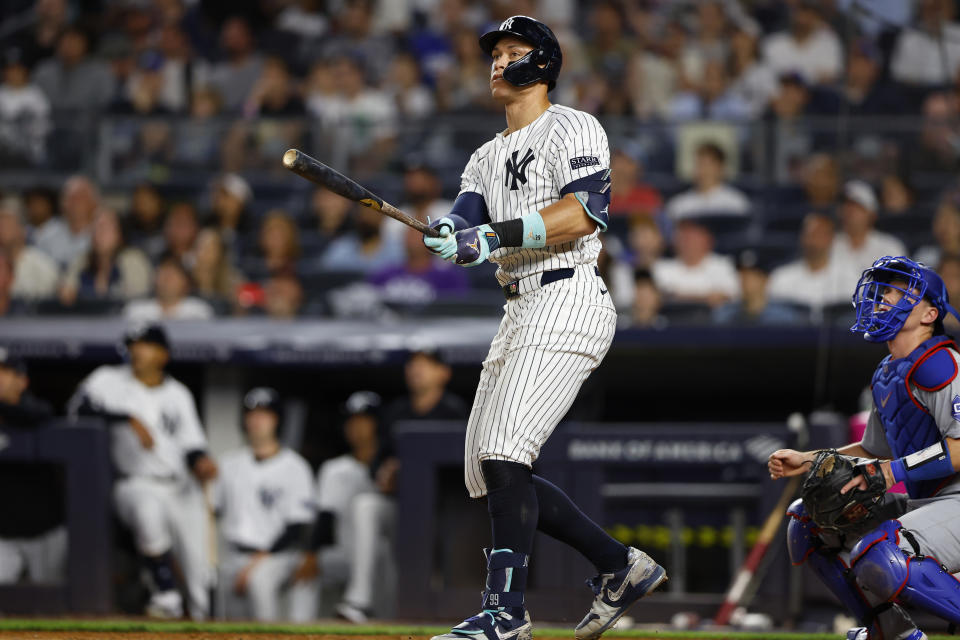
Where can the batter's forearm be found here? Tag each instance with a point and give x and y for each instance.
(565, 220)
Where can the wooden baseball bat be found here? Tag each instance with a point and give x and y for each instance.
(319, 173)
(744, 576)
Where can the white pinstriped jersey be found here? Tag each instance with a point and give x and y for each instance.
(526, 170)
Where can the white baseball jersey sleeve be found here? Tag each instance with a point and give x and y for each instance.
(339, 481)
(531, 169)
(167, 411)
(258, 499)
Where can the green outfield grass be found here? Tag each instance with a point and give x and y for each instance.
(137, 626)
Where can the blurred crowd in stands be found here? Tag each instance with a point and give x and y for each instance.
(763, 152)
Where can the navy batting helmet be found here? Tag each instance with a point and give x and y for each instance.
(528, 69)
(880, 321)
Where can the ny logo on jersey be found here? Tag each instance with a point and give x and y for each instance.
(517, 170)
(170, 423)
(269, 497)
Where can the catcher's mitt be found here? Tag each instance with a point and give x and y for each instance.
(857, 510)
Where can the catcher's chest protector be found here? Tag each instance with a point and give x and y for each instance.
(908, 426)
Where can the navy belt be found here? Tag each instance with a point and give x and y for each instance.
(511, 290)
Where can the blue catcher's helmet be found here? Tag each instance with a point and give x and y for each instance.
(879, 321)
(546, 51)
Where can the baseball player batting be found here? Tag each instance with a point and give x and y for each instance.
(159, 453)
(873, 549)
(543, 186)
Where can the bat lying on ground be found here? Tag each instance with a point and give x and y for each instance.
(746, 573)
(319, 173)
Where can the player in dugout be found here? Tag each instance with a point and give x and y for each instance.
(159, 453)
(266, 504)
(873, 549)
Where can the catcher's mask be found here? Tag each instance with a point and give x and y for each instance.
(880, 320)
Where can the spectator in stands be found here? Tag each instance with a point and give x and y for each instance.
(329, 217)
(939, 138)
(414, 101)
(421, 279)
(236, 74)
(427, 375)
(110, 270)
(464, 85)
(710, 194)
(213, 272)
(608, 46)
(946, 233)
(422, 198)
(363, 118)
(267, 561)
(711, 41)
(46, 228)
(862, 91)
(630, 196)
(143, 224)
(279, 245)
(810, 46)
(180, 230)
(273, 94)
(229, 215)
(340, 481)
(197, 141)
(35, 273)
(858, 244)
(647, 302)
(356, 36)
(79, 201)
(171, 297)
(928, 53)
(949, 270)
(8, 304)
(178, 67)
(645, 241)
(38, 36)
(365, 249)
(753, 81)
(821, 182)
(711, 99)
(73, 80)
(143, 94)
(815, 279)
(24, 113)
(696, 274)
(33, 538)
(283, 296)
(754, 306)
(896, 196)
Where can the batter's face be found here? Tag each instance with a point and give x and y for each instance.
(508, 49)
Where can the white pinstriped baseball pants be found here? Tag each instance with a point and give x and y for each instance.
(549, 341)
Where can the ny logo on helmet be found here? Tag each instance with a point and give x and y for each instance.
(517, 170)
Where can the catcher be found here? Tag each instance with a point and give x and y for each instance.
(872, 549)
